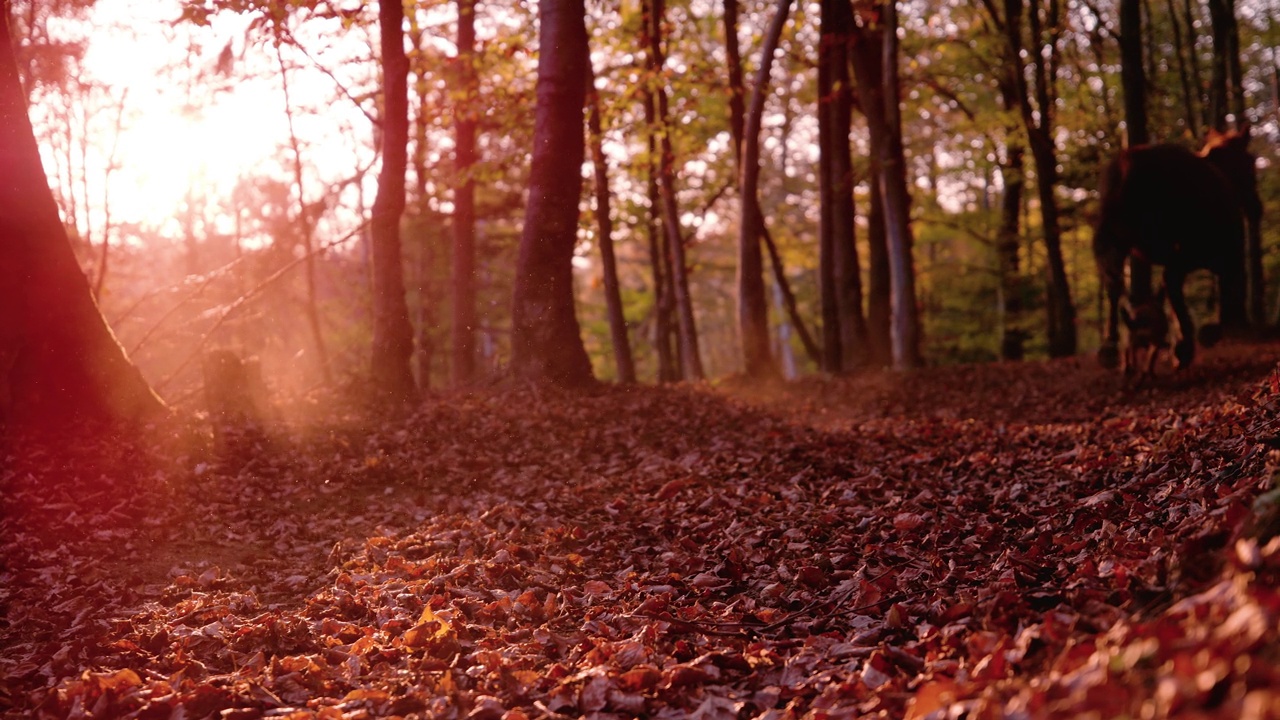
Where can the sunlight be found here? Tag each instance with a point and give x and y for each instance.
(187, 130)
(179, 140)
(173, 155)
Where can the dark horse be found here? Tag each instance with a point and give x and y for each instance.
(1184, 211)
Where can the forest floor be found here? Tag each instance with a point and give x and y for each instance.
(1005, 540)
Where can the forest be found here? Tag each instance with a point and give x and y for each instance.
(249, 223)
(663, 359)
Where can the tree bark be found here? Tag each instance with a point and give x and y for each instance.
(879, 286)
(844, 326)
(1222, 20)
(687, 331)
(905, 335)
(737, 123)
(623, 361)
(392, 332)
(1189, 96)
(866, 52)
(1197, 81)
(1039, 125)
(59, 361)
(1013, 333)
(753, 308)
(546, 338)
(1134, 83)
(463, 326)
(659, 258)
(428, 278)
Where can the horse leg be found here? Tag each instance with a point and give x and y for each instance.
(1109, 353)
(1185, 351)
(1231, 297)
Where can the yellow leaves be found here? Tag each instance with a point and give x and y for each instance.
(931, 697)
(430, 628)
(118, 680)
(433, 634)
(368, 695)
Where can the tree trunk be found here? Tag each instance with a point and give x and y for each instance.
(1222, 20)
(429, 287)
(843, 324)
(659, 258)
(306, 225)
(392, 332)
(1134, 82)
(737, 87)
(59, 361)
(463, 326)
(1039, 125)
(546, 339)
(626, 366)
(690, 357)
(1192, 36)
(879, 286)
(1226, 96)
(905, 331)
(1190, 97)
(737, 123)
(867, 56)
(1013, 333)
(753, 308)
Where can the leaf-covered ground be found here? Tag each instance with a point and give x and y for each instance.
(988, 541)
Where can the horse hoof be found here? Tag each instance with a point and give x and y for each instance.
(1210, 335)
(1185, 352)
(1109, 356)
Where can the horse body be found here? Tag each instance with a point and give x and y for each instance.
(1185, 212)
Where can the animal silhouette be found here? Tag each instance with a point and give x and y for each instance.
(1183, 211)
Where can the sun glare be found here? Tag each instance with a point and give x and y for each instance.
(187, 130)
(175, 141)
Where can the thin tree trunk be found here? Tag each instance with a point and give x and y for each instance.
(1193, 55)
(753, 307)
(1134, 83)
(113, 164)
(663, 297)
(428, 291)
(737, 122)
(1221, 20)
(1013, 332)
(626, 366)
(392, 332)
(1039, 125)
(905, 332)
(546, 339)
(1235, 74)
(464, 213)
(866, 52)
(305, 228)
(737, 87)
(843, 323)
(1189, 96)
(880, 284)
(59, 360)
(789, 299)
(690, 358)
